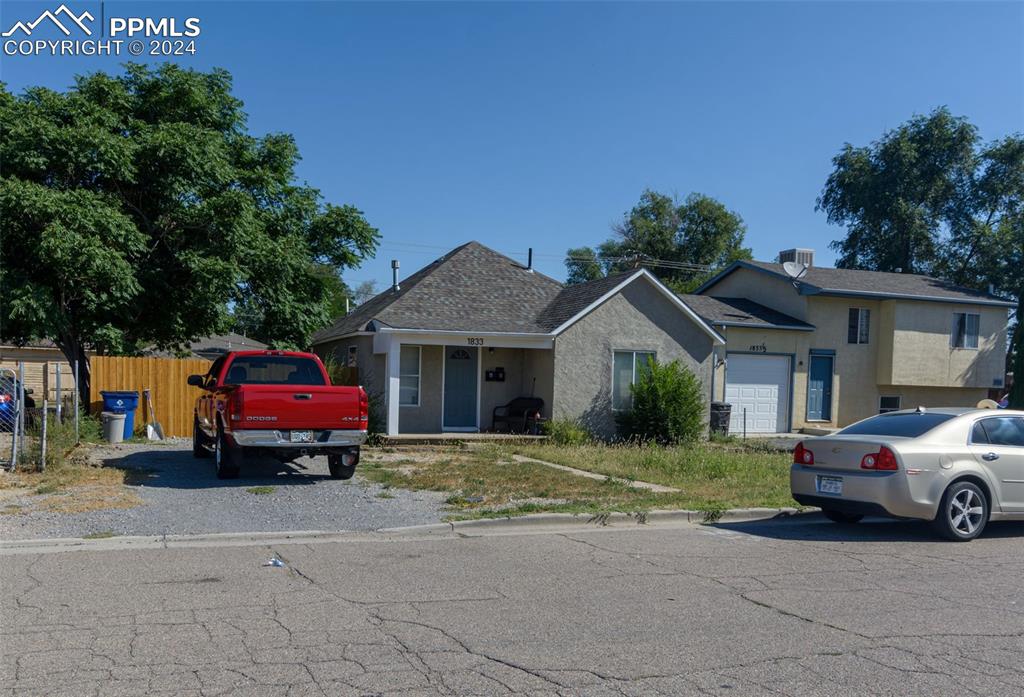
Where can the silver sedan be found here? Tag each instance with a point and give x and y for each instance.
(958, 468)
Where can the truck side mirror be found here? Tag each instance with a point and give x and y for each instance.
(197, 381)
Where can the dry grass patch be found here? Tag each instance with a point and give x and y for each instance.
(484, 481)
(71, 486)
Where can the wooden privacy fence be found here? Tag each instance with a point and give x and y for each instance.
(165, 378)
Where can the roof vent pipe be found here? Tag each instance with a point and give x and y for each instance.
(529, 260)
(394, 275)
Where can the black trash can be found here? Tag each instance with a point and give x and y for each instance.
(720, 413)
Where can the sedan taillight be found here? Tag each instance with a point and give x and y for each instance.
(802, 456)
(884, 459)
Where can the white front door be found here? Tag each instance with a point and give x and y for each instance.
(757, 387)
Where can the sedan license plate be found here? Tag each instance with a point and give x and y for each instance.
(830, 485)
(302, 436)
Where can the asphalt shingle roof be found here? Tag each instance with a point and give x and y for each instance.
(740, 312)
(575, 298)
(883, 283)
(472, 288)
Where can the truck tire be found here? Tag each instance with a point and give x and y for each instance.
(227, 458)
(199, 449)
(339, 470)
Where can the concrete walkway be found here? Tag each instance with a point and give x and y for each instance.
(656, 488)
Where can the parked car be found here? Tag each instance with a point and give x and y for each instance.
(8, 402)
(958, 468)
(279, 403)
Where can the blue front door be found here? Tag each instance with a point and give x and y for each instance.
(460, 387)
(819, 388)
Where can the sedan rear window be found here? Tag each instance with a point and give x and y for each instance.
(274, 370)
(899, 425)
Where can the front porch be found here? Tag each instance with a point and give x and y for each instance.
(447, 384)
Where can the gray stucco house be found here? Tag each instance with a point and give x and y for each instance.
(475, 329)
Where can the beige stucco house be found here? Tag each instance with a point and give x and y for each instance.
(839, 345)
(475, 329)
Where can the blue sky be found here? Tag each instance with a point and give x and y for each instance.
(539, 124)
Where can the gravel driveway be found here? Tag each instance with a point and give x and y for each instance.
(182, 495)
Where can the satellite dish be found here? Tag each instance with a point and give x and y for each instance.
(795, 270)
(988, 404)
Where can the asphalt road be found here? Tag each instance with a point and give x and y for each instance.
(793, 608)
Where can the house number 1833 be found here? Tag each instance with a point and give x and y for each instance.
(475, 341)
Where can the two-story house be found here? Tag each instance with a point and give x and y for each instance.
(838, 345)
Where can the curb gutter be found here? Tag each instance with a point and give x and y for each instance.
(519, 525)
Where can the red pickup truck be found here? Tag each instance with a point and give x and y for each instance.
(280, 403)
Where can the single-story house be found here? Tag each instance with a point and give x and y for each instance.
(837, 345)
(213, 347)
(475, 329)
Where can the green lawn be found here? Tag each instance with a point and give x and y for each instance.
(484, 480)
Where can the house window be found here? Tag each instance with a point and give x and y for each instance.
(857, 325)
(965, 330)
(626, 369)
(887, 404)
(409, 377)
(353, 357)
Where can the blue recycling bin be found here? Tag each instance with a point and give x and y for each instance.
(122, 403)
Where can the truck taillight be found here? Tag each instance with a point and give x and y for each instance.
(884, 459)
(364, 410)
(802, 456)
(235, 405)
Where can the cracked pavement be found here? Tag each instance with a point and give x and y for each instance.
(800, 607)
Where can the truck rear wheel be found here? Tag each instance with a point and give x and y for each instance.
(226, 457)
(339, 468)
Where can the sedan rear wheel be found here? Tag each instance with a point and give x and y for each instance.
(962, 513)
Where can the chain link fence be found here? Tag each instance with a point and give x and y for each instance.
(34, 434)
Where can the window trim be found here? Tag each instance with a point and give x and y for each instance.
(650, 352)
(897, 397)
(863, 326)
(419, 375)
(977, 334)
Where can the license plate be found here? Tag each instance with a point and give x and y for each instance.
(830, 485)
(302, 436)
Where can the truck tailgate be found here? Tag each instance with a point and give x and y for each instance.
(305, 407)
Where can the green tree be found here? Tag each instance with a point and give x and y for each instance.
(138, 210)
(894, 194)
(582, 265)
(679, 242)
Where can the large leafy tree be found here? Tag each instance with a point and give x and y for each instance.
(138, 210)
(894, 194)
(678, 241)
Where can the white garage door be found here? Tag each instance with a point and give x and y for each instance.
(759, 384)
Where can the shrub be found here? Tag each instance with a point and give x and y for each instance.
(566, 432)
(668, 405)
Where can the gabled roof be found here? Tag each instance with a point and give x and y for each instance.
(741, 312)
(471, 288)
(821, 280)
(475, 289)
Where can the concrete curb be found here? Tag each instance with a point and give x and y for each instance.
(520, 525)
